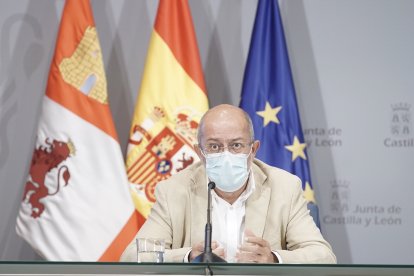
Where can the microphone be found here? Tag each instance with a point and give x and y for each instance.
(208, 256)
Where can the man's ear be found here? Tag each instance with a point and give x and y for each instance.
(255, 147)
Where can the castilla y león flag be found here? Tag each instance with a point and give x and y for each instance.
(170, 103)
(76, 204)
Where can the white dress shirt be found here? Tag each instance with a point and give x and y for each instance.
(228, 222)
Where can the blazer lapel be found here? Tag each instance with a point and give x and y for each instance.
(257, 204)
(198, 205)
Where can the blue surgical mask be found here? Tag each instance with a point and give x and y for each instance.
(229, 171)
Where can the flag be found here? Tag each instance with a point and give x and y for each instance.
(171, 100)
(268, 95)
(76, 204)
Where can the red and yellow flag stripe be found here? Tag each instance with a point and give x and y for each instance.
(172, 88)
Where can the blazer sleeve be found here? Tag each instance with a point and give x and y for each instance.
(304, 241)
(158, 225)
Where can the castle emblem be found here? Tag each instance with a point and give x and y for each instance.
(401, 119)
(84, 68)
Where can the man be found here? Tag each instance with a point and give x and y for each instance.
(259, 213)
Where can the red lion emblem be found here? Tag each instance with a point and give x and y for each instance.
(44, 160)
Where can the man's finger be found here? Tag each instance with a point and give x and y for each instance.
(219, 252)
(256, 240)
(249, 247)
(249, 233)
(246, 257)
(199, 246)
(214, 245)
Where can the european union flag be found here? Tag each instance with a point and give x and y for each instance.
(268, 95)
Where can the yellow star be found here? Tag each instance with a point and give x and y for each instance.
(308, 193)
(269, 114)
(297, 149)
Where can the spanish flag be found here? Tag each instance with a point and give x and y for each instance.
(76, 204)
(170, 103)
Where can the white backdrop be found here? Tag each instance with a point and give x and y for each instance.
(353, 64)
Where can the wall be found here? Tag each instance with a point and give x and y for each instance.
(352, 62)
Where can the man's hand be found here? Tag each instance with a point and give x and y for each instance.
(255, 250)
(198, 248)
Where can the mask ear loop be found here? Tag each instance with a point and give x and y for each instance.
(250, 151)
(250, 169)
(202, 151)
(205, 157)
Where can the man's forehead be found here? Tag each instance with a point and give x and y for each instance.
(221, 140)
(231, 133)
(224, 123)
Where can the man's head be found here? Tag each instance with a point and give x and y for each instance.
(226, 114)
(226, 128)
